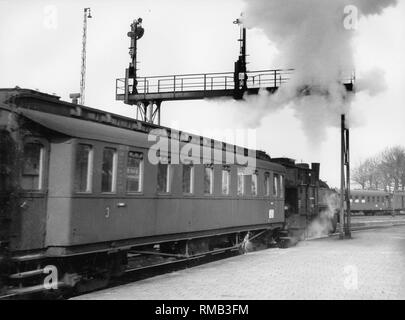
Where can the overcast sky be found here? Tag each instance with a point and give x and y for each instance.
(40, 48)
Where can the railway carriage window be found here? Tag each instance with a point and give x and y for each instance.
(188, 178)
(266, 184)
(356, 199)
(163, 183)
(225, 180)
(241, 181)
(109, 170)
(373, 199)
(254, 183)
(378, 198)
(134, 171)
(275, 184)
(208, 179)
(32, 173)
(282, 186)
(83, 170)
(368, 199)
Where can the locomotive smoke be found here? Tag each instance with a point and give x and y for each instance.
(312, 38)
(323, 224)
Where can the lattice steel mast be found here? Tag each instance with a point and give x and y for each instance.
(86, 15)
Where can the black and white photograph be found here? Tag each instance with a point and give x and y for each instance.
(199, 156)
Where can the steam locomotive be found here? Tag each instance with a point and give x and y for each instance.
(308, 198)
(80, 196)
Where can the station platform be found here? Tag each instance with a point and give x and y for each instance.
(368, 266)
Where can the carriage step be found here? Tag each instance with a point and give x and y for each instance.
(33, 289)
(28, 257)
(27, 274)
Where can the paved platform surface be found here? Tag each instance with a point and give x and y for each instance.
(369, 266)
(379, 219)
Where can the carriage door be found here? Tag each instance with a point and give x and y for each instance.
(29, 230)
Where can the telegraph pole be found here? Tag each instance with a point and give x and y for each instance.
(347, 163)
(342, 179)
(345, 228)
(86, 15)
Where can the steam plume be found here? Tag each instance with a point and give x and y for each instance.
(312, 38)
(323, 224)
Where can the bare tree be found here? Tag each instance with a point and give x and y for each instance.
(384, 171)
(359, 174)
(393, 164)
(369, 173)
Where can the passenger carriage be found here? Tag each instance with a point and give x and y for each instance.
(398, 202)
(79, 190)
(370, 202)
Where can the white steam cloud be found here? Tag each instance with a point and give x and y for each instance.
(313, 37)
(323, 224)
(372, 82)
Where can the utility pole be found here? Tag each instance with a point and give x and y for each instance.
(345, 228)
(86, 15)
(348, 232)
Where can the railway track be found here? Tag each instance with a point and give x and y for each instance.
(136, 273)
(131, 274)
(359, 224)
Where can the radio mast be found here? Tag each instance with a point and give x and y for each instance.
(86, 15)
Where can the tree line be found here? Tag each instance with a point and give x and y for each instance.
(384, 171)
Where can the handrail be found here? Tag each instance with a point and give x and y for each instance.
(207, 81)
(215, 73)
